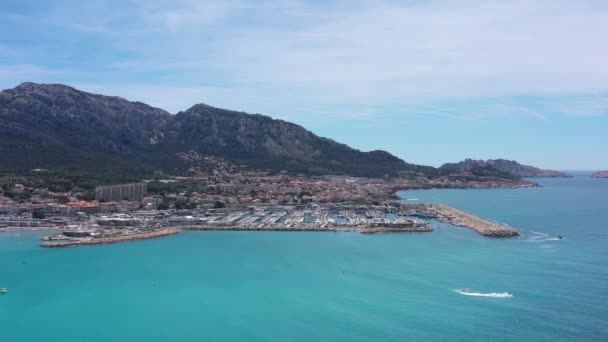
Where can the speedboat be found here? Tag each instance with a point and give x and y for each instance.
(3, 290)
(560, 237)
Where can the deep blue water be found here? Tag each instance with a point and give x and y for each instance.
(281, 286)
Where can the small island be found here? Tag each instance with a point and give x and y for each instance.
(600, 174)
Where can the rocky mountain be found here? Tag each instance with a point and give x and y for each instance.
(263, 142)
(471, 168)
(510, 167)
(50, 125)
(600, 174)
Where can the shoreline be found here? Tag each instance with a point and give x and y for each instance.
(440, 212)
(363, 230)
(178, 229)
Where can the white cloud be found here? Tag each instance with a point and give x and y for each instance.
(279, 56)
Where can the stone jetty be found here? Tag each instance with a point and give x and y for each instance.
(109, 240)
(379, 230)
(459, 218)
(362, 230)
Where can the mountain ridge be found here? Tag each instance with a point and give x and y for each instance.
(71, 124)
(59, 126)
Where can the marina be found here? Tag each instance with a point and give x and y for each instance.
(364, 219)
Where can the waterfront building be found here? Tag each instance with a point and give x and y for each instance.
(85, 207)
(120, 192)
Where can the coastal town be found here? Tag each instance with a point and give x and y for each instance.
(248, 200)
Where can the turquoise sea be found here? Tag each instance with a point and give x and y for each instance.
(281, 286)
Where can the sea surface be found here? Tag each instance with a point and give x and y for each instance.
(314, 286)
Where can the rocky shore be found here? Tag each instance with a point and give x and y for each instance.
(459, 218)
(109, 240)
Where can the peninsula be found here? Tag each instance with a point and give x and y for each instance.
(510, 167)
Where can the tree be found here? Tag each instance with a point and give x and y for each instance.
(219, 204)
(38, 214)
(86, 196)
(184, 205)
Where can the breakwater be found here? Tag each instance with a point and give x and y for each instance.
(73, 242)
(379, 230)
(109, 240)
(482, 226)
(362, 230)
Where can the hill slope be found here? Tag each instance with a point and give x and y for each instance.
(509, 167)
(51, 125)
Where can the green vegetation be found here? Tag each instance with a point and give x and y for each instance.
(63, 180)
(19, 196)
(185, 205)
(38, 214)
(161, 188)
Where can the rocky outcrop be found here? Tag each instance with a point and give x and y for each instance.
(509, 167)
(524, 171)
(600, 174)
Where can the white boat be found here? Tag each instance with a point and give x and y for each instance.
(466, 292)
(3, 290)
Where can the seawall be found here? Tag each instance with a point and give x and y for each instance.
(459, 218)
(109, 240)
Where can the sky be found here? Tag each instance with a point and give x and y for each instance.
(429, 81)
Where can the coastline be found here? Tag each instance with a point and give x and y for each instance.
(441, 212)
(362, 230)
(178, 229)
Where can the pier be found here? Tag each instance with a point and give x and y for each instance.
(482, 226)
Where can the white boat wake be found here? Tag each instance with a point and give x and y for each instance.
(542, 237)
(490, 294)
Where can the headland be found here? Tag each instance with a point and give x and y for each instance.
(600, 174)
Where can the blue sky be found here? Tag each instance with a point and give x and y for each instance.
(430, 81)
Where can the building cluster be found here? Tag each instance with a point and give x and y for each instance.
(234, 189)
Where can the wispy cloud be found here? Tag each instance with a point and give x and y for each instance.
(277, 56)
